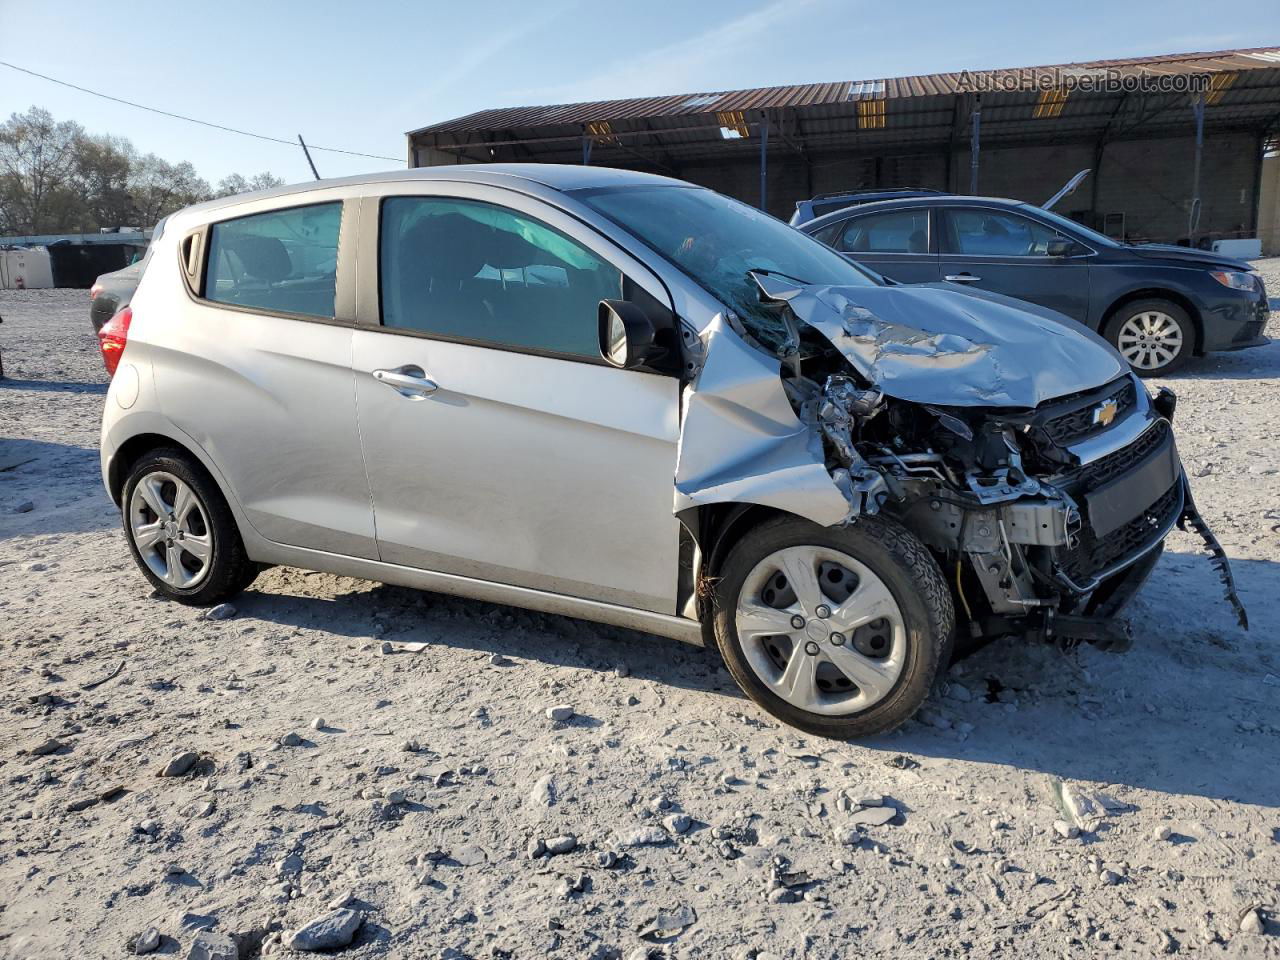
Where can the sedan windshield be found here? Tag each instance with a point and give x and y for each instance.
(1071, 227)
(718, 242)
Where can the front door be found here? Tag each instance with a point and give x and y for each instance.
(896, 243)
(499, 446)
(1006, 252)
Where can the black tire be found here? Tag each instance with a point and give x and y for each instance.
(1169, 309)
(916, 583)
(229, 568)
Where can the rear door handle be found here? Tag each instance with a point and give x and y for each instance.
(962, 278)
(408, 381)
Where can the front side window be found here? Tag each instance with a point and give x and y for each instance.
(284, 261)
(472, 271)
(902, 231)
(990, 233)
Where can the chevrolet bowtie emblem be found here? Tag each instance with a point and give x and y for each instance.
(1105, 412)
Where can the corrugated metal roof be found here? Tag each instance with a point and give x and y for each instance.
(818, 94)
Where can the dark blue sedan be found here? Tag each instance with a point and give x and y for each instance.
(1158, 305)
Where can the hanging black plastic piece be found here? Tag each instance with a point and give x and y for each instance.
(1217, 556)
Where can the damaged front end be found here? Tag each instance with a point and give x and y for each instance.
(1024, 455)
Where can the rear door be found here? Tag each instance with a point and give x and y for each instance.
(897, 243)
(255, 365)
(499, 446)
(1006, 252)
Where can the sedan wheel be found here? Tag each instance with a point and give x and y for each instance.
(170, 529)
(1154, 336)
(1151, 340)
(821, 630)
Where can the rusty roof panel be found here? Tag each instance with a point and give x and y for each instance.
(820, 95)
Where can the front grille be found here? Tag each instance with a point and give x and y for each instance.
(1094, 475)
(1078, 423)
(1091, 555)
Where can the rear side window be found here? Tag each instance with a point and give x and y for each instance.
(466, 270)
(904, 231)
(284, 261)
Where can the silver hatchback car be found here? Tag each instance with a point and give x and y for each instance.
(627, 399)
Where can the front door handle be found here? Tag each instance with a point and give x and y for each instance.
(408, 381)
(962, 278)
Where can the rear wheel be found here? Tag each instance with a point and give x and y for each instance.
(181, 532)
(1155, 336)
(839, 632)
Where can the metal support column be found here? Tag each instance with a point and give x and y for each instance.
(1193, 215)
(764, 162)
(974, 144)
(586, 150)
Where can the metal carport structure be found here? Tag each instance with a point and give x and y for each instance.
(1012, 132)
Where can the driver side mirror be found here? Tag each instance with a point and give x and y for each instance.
(627, 335)
(1060, 247)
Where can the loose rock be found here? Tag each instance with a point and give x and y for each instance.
(873, 816)
(1251, 922)
(209, 945)
(560, 713)
(561, 844)
(646, 836)
(223, 611)
(145, 942)
(543, 793)
(334, 929)
(677, 823)
(180, 764)
(45, 748)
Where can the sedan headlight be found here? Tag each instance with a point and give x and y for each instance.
(1234, 280)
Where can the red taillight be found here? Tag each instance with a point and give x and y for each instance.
(112, 339)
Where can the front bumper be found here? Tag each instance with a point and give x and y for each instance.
(1234, 322)
(1066, 562)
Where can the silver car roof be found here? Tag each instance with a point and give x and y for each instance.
(556, 176)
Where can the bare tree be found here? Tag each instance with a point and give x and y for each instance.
(55, 178)
(229, 186)
(159, 187)
(38, 159)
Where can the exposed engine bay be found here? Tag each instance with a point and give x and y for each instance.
(1045, 505)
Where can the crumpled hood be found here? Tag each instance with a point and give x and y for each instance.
(927, 343)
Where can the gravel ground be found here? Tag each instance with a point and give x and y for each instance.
(1043, 804)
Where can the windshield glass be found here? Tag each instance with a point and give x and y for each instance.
(718, 241)
(1092, 236)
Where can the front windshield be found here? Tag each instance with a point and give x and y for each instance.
(1077, 228)
(718, 241)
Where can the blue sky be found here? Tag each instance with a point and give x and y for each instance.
(359, 74)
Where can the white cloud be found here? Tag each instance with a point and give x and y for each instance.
(685, 64)
(461, 65)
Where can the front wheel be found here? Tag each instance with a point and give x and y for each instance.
(1156, 337)
(837, 631)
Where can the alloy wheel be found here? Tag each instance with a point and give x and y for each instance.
(821, 630)
(170, 529)
(1150, 340)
